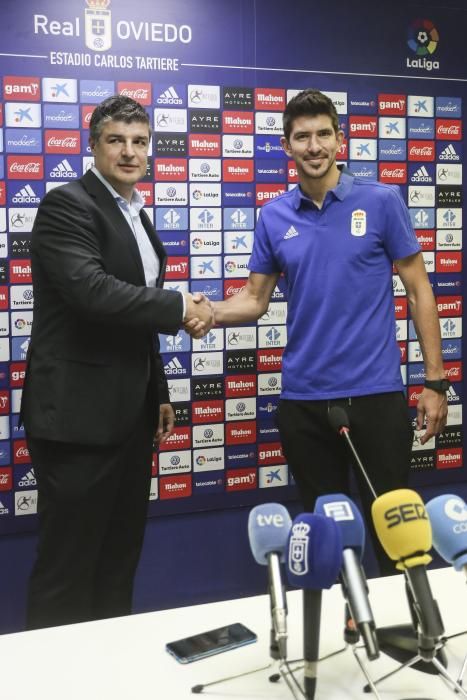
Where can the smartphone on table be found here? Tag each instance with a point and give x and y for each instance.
(199, 646)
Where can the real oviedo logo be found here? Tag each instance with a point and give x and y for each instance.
(423, 40)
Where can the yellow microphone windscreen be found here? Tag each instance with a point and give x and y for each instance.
(403, 527)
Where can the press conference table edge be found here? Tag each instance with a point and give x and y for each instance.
(125, 658)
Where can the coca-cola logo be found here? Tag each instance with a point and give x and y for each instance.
(136, 93)
(424, 151)
(22, 452)
(67, 142)
(395, 172)
(448, 129)
(24, 168)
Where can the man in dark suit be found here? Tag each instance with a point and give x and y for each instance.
(95, 395)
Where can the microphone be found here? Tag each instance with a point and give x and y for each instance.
(354, 586)
(314, 560)
(339, 420)
(448, 516)
(268, 530)
(404, 530)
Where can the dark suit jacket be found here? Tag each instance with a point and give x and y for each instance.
(94, 345)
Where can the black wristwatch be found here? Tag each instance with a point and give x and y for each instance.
(439, 385)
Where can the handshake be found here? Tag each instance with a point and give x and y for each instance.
(199, 315)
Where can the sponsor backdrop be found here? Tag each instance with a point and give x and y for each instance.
(215, 78)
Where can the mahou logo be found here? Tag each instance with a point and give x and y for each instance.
(449, 262)
(147, 192)
(175, 486)
(241, 385)
(238, 170)
(64, 141)
(205, 145)
(240, 432)
(208, 411)
(449, 458)
(270, 360)
(141, 92)
(20, 272)
(170, 169)
(421, 150)
(21, 88)
(179, 439)
(25, 167)
(449, 129)
(238, 122)
(393, 172)
(270, 99)
(426, 239)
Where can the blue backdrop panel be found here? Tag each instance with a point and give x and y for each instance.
(215, 78)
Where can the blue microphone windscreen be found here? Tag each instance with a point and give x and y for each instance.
(314, 557)
(268, 530)
(448, 516)
(348, 518)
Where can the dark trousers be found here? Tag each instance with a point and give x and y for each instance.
(319, 458)
(92, 507)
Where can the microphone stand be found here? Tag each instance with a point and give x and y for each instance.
(351, 639)
(427, 649)
(278, 654)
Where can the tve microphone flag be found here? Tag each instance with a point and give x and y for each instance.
(448, 516)
(404, 530)
(268, 531)
(350, 523)
(313, 562)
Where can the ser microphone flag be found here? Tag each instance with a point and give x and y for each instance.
(448, 516)
(404, 530)
(268, 531)
(350, 523)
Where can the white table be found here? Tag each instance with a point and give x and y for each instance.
(125, 658)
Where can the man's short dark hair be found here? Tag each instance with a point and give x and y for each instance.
(308, 103)
(116, 108)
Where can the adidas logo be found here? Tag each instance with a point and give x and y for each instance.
(26, 195)
(291, 233)
(28, 479)
(174, 367)
(63, 170)
(169, 97)
(421, 175)
(449, 153)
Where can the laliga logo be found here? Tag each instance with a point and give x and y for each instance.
(97, 28)
(423, 40)
(298, 549)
